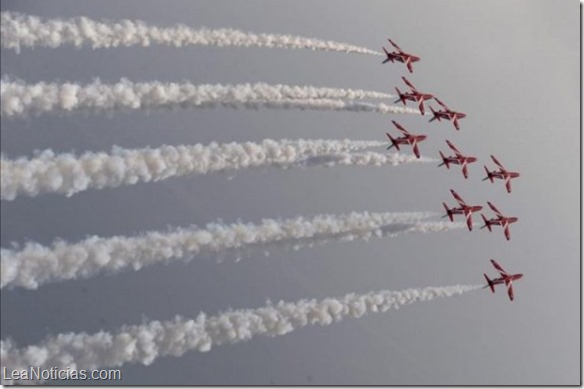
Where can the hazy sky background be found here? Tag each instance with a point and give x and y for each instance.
(512, 66)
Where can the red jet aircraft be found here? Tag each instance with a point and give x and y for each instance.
(505, 278)
(413, 95)
(400, 56)
(407, 139)
(502, 174)
(457, 159)
(463, 209)
(500, 220)
(447, 114)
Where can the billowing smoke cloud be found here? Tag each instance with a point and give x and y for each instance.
(68, 174)
(147, 342)
(35, 264)
(19, 98)
(18, 30)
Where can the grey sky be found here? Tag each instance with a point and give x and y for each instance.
(512, 66)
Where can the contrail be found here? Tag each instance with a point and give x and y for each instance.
(19, 98)
(68, 174)
(145, 343)
(35, 264)
(19, 30)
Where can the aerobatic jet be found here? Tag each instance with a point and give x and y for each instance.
(505, 278)
(406, 139)
(447, 114)
(463, 209)
(400, 56)
(457, 159)
(500, 220)
(413, 95)
(502, 174)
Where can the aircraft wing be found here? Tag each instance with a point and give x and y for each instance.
(409, 83)
(457, 197)
(421, 107)
(416, 150)
(497, 162)
(494, 209)
(387, 54)
(453, 148)
(409, 65)
(469, 220)
(455, 122)
(498, 267)
(440, 102)
(399, 127)
(507, 232)
(464, 170)
(508, 184)
(510, 291)
(394, 44)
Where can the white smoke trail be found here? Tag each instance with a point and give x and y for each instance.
(19, 30)
(365, 158)
(147, 342)
(19, 98)
(68, 174)
(35, 264)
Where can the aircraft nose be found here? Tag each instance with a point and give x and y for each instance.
(422, 137)
(472, 159)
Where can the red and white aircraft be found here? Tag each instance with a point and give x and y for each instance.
(447, 114)
(413, 95)
(457, 159)
(400, 56)
(505, 278)
(463, 209)
(407, 139)
(502, 174)
(500, 220)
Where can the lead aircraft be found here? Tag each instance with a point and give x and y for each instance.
(502, 174)
(505, 278)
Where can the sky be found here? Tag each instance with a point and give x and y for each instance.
(512, 66)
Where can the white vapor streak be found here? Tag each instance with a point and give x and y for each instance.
(19, 98)
(147, 342)
(68, 174)
(364, 158)
(35, 264)
(19, 30)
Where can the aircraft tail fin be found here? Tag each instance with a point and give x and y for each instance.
(489, 175)
(487, 224)
(387, 54)
(393, 142)
(490, 283)
(436, 116)
(448, 212)
(401, 96)
(444, 160)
